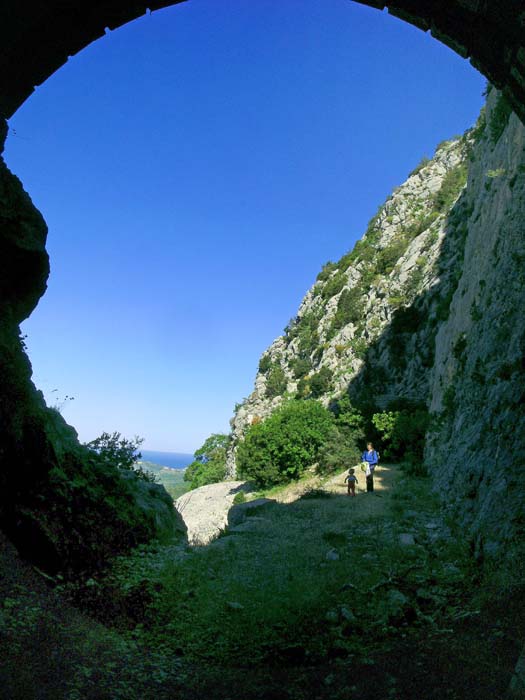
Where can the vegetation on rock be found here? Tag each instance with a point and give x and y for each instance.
(209, 466)
(283, 446)
(112, 449)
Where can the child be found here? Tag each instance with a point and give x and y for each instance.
(352, 481)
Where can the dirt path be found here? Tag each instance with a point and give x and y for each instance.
(205, 510)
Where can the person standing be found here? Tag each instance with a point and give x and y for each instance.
(371, 457)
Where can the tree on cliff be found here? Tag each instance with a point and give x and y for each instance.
(209, 466)
(280, 448)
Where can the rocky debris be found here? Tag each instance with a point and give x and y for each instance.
(205, 510)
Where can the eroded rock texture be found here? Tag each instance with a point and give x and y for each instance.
(477, 450)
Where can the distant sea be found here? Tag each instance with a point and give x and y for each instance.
(174, 460)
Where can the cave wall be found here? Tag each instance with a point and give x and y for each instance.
(63, 510)
(476, 451)
(37, 38)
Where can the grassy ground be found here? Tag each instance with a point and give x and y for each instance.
(317, 595)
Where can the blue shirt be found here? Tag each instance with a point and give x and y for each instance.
(371, 458)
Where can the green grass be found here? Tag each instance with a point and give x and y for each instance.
(265, 609)
(256, 595)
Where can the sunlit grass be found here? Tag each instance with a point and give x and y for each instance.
(282, 581)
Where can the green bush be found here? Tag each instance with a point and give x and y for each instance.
(90, 508)
(339, 451)
(405, 320)
(334, 285)
(326, 271)
(209, 466)
(420, 225)
(403, 433)
(280, 448)
(300, 366)
(350, 309)
(452, 184)
(321, 382)
(114, 450)
(388, 256)
(265, 364)
(305, 328)
(276, 382)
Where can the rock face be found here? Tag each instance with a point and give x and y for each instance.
(205, 510)
(429, 306)
(370, 320)
(61, 509)
(477, 448)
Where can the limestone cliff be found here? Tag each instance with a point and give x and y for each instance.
(429, 306)
(370, 319)
(476, 451)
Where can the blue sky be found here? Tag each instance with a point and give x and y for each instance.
(196, 168)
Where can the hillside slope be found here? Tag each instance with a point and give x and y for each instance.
(428, 307)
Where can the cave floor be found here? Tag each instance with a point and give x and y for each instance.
(317, 595)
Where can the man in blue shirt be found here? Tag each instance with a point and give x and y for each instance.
(370, 456)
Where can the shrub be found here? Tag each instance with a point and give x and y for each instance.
(209, 466)
(406, 320)
(285, 444)
(452, 184)
(403, 432)
(339, 451)
(388, 256)
(114, 450)
(326, 271)
(423, 224)
(305, 329)
(334, 285)
(265, 364)
(276, 382)
(96, 507)
(359, 347)
(350, 309)
(321, 382)
(300, 366)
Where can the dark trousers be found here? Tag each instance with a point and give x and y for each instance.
(370, 482)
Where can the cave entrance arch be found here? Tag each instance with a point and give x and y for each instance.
(36, 40)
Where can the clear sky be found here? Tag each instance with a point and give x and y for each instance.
(196, 168)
